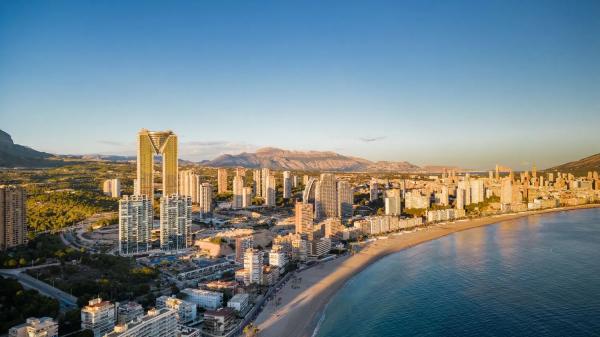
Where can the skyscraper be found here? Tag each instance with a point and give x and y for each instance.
(242, 243)
(393, 202)
(270, 191)
(13, 220)
(205, 198)
(112, 188)
(246, 197)
(345, 198)
(287, 185)
(175, 222)
(477, 191)
(304, 217)
(189, 185)
(265, 174)
(506, 193)
(326, 205)
(253, 264)
(373, 190)
(238, 186)
(221, 180)
(151, 143)
(257, 183)
(135, 224)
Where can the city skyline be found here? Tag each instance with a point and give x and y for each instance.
(464, 84)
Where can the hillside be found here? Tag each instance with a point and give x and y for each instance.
(279, 159)
(15, 155)
(581, 166)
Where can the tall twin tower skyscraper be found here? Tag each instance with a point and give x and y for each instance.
(136, 211)
(151, 143)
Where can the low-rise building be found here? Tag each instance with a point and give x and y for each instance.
(217, 322)
(156, 323)
(186, 311)
(204, 298)
(35, 327)
(239, 302)
(128, 311)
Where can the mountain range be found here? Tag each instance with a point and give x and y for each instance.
(15, 155)
(279, 159)
(581, 166)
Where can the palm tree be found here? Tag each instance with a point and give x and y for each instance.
(251, 330)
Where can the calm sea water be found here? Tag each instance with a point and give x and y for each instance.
(536, 276)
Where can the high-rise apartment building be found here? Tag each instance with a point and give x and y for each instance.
(287, 185)
(112, 188)
(13, 216)
(98, 316)
(304, 218)
(460, 197)
(477, 191)
(175, 222)
(345, 198)
(205, 198)
(393, 205)
(242, 243)
(221, 180)
(265, 174)
(257, 183)
(152, 143)
(270, 191)
(238, 186)
(135, 224)
(253, 264)
(189, 185)
(506, 193)
(35, 327)
(246, 197)
(326, 204)
(373, 190)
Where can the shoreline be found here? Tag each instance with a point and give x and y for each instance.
(304, 305)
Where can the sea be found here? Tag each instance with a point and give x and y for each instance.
(534, 276)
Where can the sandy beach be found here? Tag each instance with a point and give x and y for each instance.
(303, 301)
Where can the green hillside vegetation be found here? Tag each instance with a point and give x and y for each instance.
(55, 210)
(18, 304)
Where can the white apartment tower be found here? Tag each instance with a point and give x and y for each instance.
(265, 174)
(253, 264)
(287, 185)
(205, 198)
(98, 316)
(238, 186)
(175, 222)
(271, 192)
(112, 188)
(246, 197)
(135, 224)
(257, 183)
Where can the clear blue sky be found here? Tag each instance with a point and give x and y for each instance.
(467, 83)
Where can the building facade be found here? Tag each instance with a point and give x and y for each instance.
(175, 222)
(13, 216)
(135, 224)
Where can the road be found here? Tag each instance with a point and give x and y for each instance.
(67, 301)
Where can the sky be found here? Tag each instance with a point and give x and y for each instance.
(466, 83)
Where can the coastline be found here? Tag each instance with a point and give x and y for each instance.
(303, 305)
